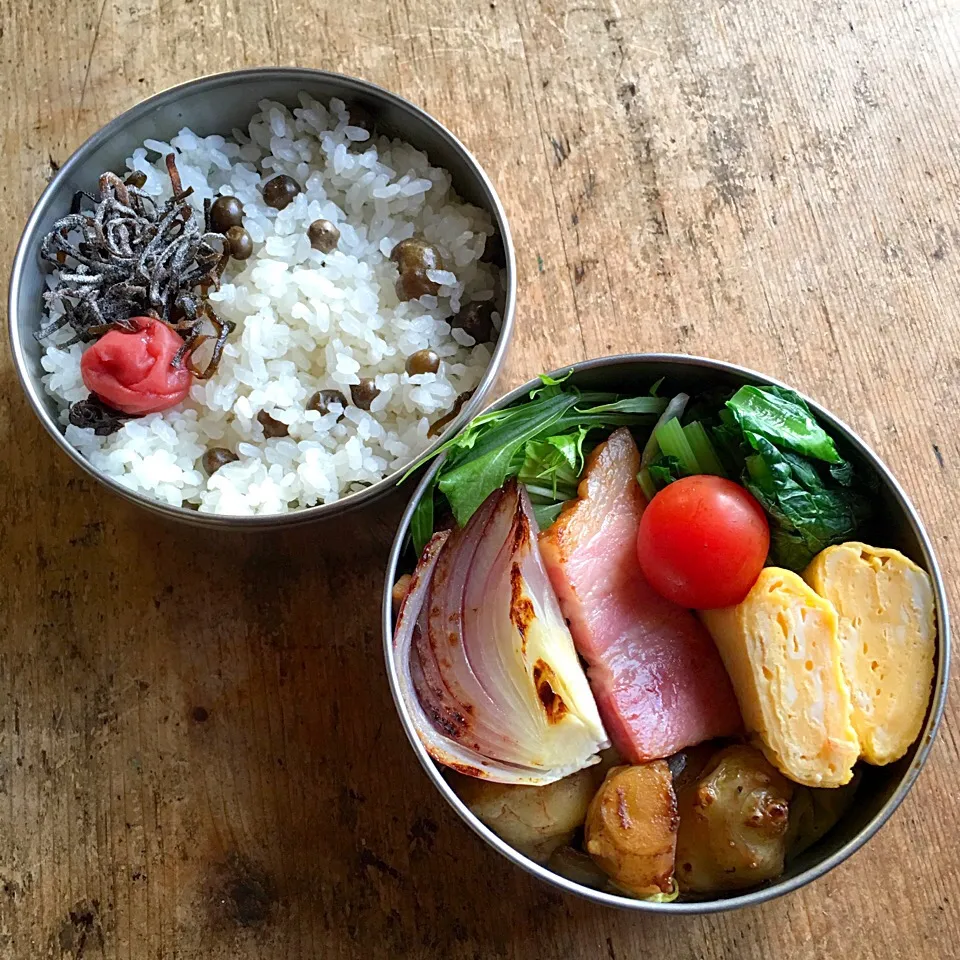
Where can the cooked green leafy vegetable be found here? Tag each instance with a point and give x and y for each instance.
(421, 523)
(689, 447)
(540, 440)
(783, 418)
(699, 440)
(547, 513)
(662, 471)
(552, 467)
(679, 452)
(674, 444)
(807, 512)
(767, 437)
(647, 483)
(728, 441)
(794, 470)
(488, 457)
(550, 471)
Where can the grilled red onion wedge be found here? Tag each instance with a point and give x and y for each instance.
(488, 670)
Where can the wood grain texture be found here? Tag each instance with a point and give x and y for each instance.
(198, 753)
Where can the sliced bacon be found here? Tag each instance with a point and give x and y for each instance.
(657, 677)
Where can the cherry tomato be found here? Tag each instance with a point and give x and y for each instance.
(134, 372)
(703, 541)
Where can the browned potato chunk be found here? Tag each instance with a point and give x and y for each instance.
(733, 823)
(631, 828)
(534, 820)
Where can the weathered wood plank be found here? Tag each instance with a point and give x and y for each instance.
(198, 752)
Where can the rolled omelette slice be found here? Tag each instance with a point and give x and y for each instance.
(887, 638)
(781, 648)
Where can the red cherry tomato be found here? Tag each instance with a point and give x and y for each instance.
(703, 541)
(134, 372)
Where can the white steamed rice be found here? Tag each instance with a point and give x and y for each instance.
(305, 320)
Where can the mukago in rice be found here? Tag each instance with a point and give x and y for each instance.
(306, 320)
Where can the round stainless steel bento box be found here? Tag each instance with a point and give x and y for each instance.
(882, 788)
(217, 104)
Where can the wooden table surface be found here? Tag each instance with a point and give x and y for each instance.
(198, 753)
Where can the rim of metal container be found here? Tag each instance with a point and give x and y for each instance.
(773, 890)
(26, 248)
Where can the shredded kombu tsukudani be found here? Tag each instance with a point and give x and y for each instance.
(94, 414)
(131, 257)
